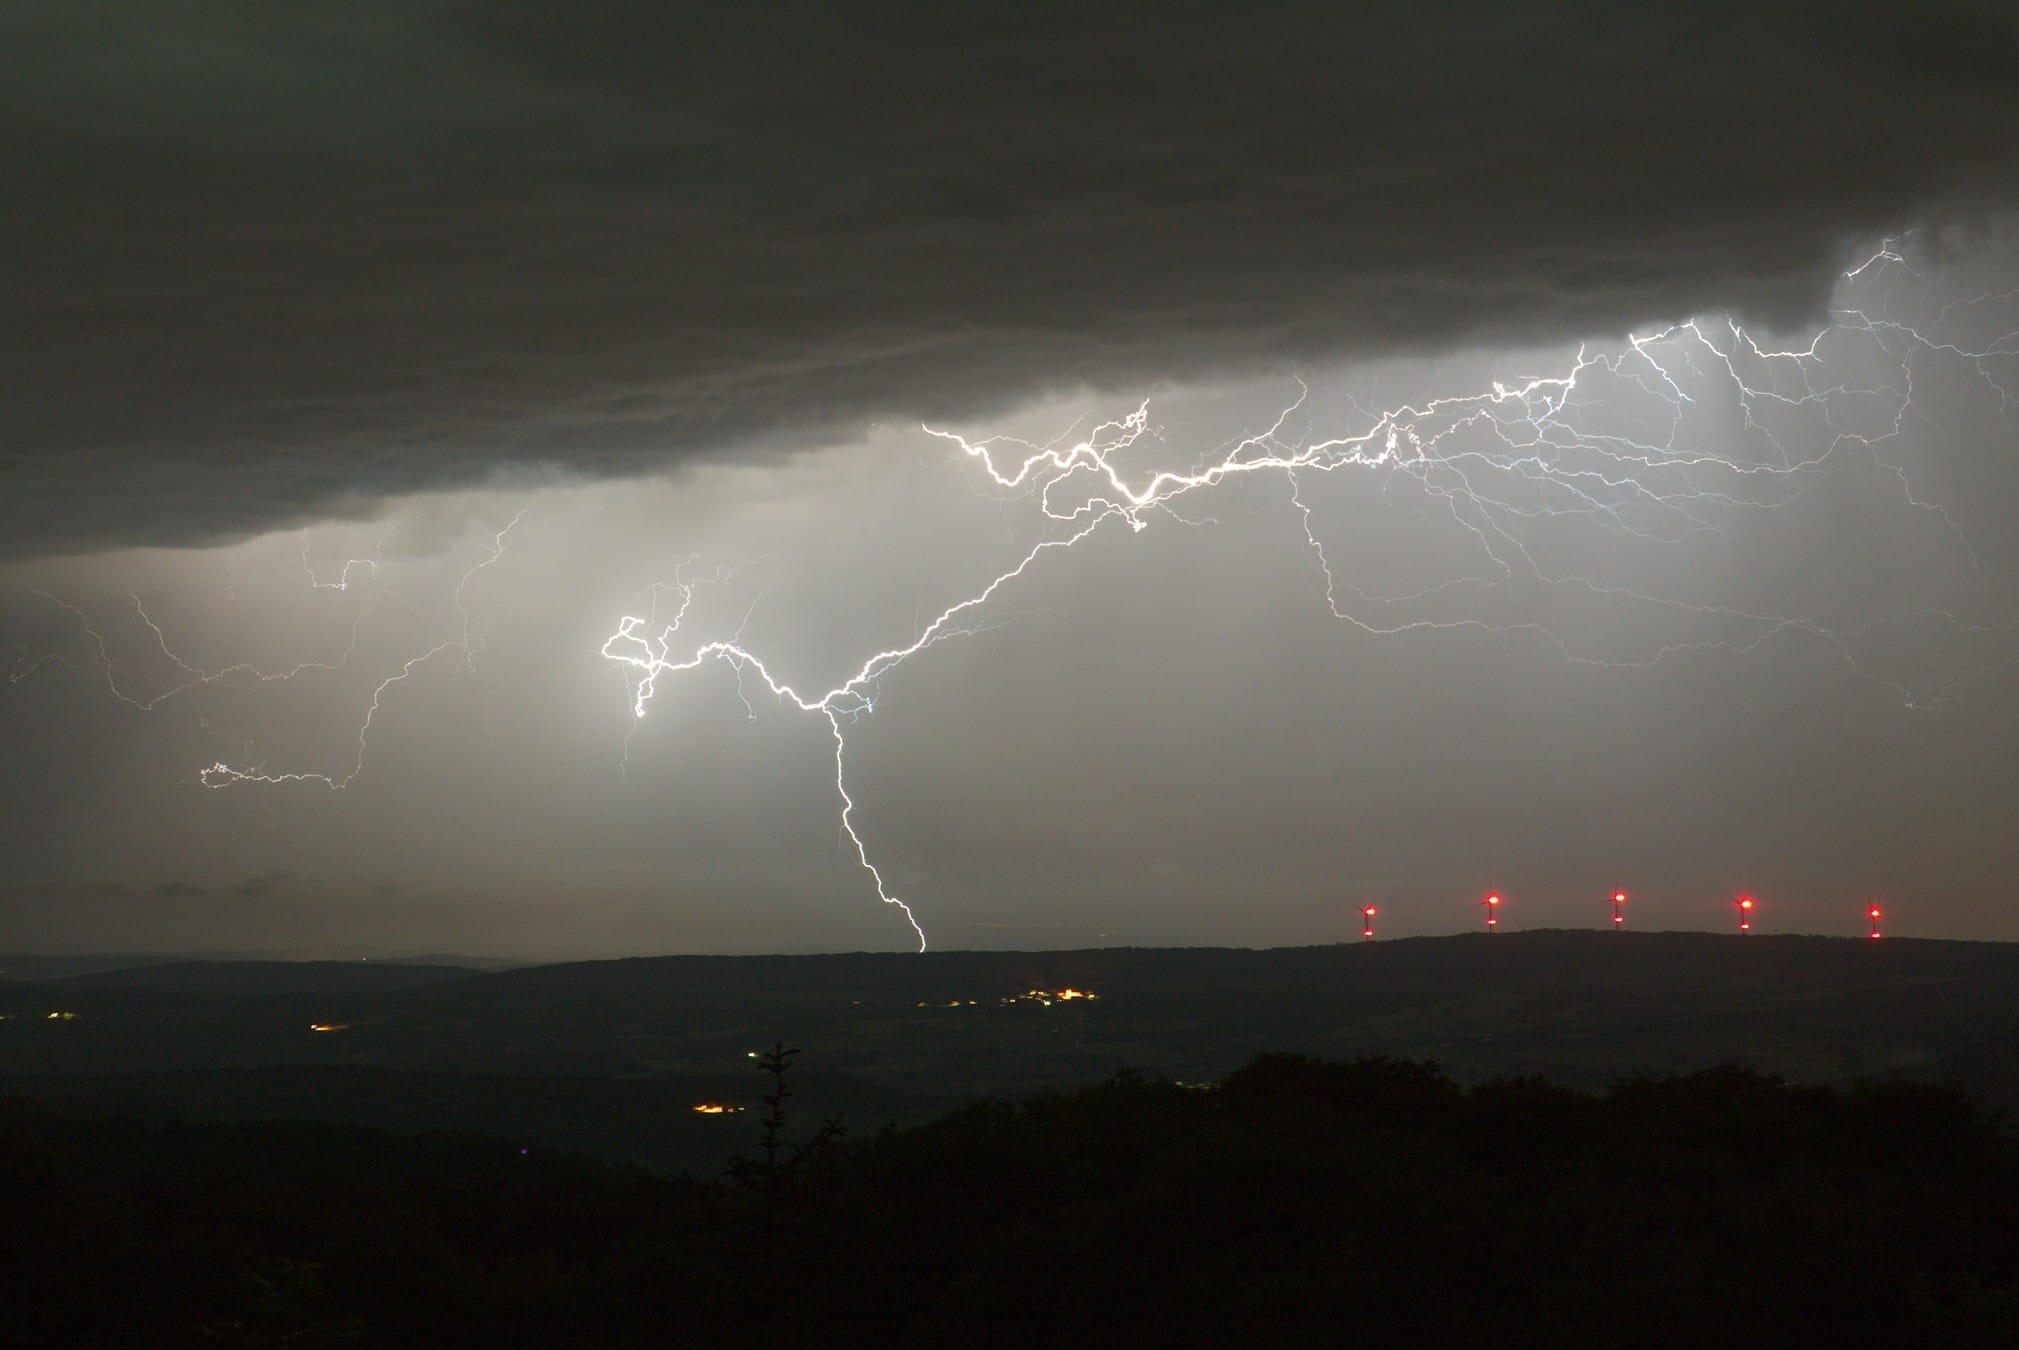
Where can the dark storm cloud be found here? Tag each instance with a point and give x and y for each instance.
(262, 262)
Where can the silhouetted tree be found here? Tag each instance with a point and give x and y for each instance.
(780, 1162)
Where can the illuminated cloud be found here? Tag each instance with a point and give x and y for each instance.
(1674, 613)
(381, 298)
(266, 265)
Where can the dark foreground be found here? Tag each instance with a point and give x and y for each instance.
(1296, 1202)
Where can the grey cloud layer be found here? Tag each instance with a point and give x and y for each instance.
(259, 264)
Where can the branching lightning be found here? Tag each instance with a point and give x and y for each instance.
(472, 649)
(650, 656)
(1682, 439)
(220, 774)
(224, 775)
(1456, 451)
(343, 582)
(190, 677)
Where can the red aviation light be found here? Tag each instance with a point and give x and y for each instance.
(1745, 913)
(1367, 922)
(1493, 909)
(1873, 915)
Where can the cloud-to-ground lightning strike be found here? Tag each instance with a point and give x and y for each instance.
(649, 654)
(1530, 433)
(1674, 439)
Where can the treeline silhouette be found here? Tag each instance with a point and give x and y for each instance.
(1296, 1202)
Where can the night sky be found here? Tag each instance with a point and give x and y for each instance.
(1621, 404)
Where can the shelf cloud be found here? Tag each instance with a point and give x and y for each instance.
(267, 266)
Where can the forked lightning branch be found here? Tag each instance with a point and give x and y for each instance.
(1671, 438)
(1534, 432)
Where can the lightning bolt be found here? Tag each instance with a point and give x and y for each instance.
(470, 644)
(221, 774)
(686, 588)
(1461, 453)
(1675, 438)
(472, 650)
(343, 581)
(189, 677)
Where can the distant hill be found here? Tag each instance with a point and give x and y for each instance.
(895, 1037)
(1413, 968)
(26, 966)
(268, 977)
(21, 966)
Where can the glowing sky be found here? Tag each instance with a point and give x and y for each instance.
(393, 284)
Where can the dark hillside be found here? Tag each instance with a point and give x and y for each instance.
(269, 977)
(1299, 1202)
(894, 1037)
